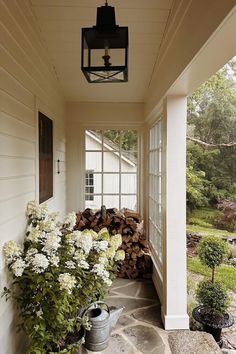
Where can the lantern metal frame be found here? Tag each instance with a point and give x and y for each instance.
(106, 35)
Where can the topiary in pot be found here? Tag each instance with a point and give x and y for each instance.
(212, 295)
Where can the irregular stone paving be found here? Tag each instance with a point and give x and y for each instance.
(139, 329)
(194, 342)
(229, 334)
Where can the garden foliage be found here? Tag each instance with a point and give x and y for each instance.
(56, 273)
(212, 119)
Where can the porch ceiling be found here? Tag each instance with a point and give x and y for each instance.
(61, 22)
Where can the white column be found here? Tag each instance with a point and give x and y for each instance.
(174, 309)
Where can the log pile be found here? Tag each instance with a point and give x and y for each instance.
(129, 224)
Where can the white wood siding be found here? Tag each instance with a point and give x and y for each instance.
(27, 84)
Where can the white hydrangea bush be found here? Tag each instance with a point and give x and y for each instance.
(58, 270)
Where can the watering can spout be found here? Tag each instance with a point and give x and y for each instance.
(115, 313)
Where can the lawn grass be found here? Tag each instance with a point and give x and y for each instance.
(225, 274)
(206, 231)
(202, 221)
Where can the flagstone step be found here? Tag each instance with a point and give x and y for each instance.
(186, 342)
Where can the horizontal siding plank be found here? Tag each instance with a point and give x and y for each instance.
(15, 127)
(27, 44)
(11, 65)
(14, 88)
(14, 229)
(15, 147)
(11, 188)
(13, 167)
(22, 13)
(15, 108)
(16, 51)
(10, 208)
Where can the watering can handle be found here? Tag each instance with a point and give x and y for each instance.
(94, 304)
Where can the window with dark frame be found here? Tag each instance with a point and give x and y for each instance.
(89, 185)
(45, 129)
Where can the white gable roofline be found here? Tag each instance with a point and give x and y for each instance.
(108, 146)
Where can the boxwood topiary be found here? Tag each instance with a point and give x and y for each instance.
(213, 297)
(212, 250)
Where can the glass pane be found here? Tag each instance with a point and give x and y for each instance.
(128, 183)
(111, 201)
(111, 183)
(94, 161)
(94, 203)
(97, 183)
(128, 162)
(129, 201)
(93, 140)
(111, 162)
(111, 140)
(129, 140)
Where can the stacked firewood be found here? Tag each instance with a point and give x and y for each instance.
(129, 224)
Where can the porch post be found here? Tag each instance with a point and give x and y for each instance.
(174, 309)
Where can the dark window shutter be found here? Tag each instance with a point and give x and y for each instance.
(45, 158)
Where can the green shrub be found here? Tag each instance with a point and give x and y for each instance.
(212, 251)
(213, 297)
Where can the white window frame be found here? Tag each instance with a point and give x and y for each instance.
(105, 148)
(155, 177)
(88, 195)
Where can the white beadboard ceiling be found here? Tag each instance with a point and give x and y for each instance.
(61, 21)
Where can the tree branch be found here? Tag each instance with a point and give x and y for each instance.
(211, 146)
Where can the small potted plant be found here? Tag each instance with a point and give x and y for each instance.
(212, 295)
(57, 272)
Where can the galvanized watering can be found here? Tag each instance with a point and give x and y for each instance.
(102, 321)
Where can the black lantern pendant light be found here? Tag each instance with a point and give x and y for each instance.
(104, 52)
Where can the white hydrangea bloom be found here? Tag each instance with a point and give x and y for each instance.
(70, 221)
(11, 251)
(54, 260)
(116, 241)
(79, 255)
(33, 235)
(47, 225)
(103, 260)
(30, 254)
(71, 251)
(39, 313)
(39, 263)
(70, 264)
(52, 243)
(100, 245)
(107, 281)
(85, 242)
(67, 282)
(83, 264)
(109, 253)
(18, 267)
(72, 237)
(36, 211)
(100, 271)
(119, 256)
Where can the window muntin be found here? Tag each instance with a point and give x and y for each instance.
(112, 155)
(45, 141)
(155, 184)
(89, 185)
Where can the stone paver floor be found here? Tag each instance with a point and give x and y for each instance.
(139, 329)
